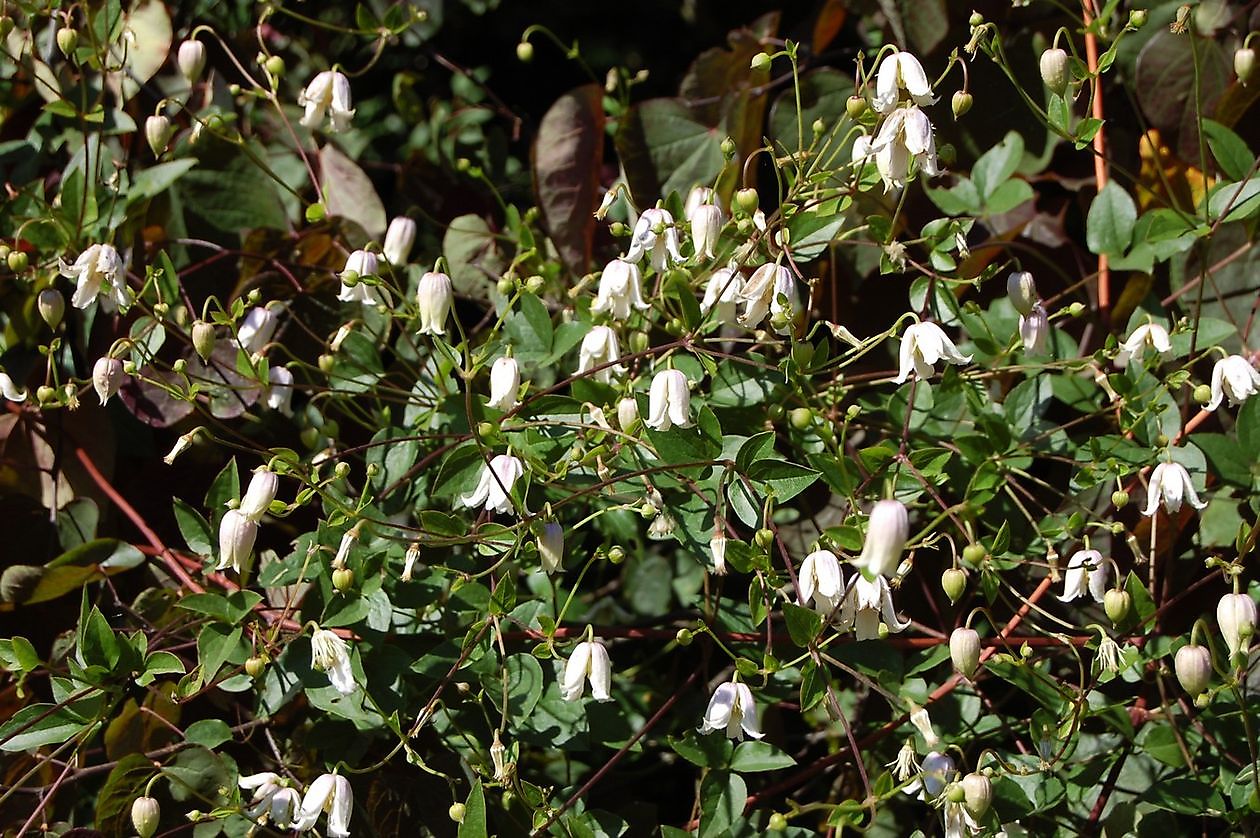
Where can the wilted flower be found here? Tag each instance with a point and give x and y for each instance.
(329, 793)
(706, 224)
(1234, 378)
(360, 264)
(589, 662)
(434, 295)
(498, 758)
(904, 144)
(98, 272)
(669, 401)
(494, 487)
(181, 445)
(551, 546)
(1086, 573)
(660, 245)
(399, 238)
(191, 60)
(236, 540)
(821, 583)
(722, 290)
(409, 560)
(922, 345)
(598, 348)
(733, 710)
(505, 383)
(900, 71)
(107, 376)
(923, 723)
(260, 493)
(349, 538)
(1021, 291)
(717, 548)
(330, 654)
(257, 329)
(964, 650)
(906, 765)
(771, 289)
(1148, 334)
(619, 289)
(1108, 654)
(328, 92)
(865, 602)
(1170, 483)
(9, 389)
(1193, 665)
(272, 800)
(1236, 615)
(279, 393)
(886, 535)
(938, 771)
(1034, 329)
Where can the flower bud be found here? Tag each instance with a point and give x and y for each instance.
(525, 52)
(551, 546)
(107, 375)
(158, 131)
(145, 813)
(964, 650)
(1137, 18)
(18, 261)
(977, 794)
(973, 554)
(728, 148)
(1119, 498)
(953, 583)
(1193, 665)
(760, 61)
(1245, 64)
(1116, 603)
(1054, 70)
(976, 19)
(456, 812)
(1236, 615)
(343, 579)
(886, 536)
(260, 493)
(52, 306)
(67, 40)
(747, 200)
(855, 106)
(961, 103)
(203, 338)
(399, 239)
(627, 414)
(1021, 291)
(255, 666)
(191, 60)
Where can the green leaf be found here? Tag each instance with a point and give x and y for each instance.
(225, 487)
(472, 254)
(1109, 225)
(216, 645)
(803, 624)
(55, 725)
(228, 609)
(722, 796)
(126, 782)
(209, 733)
(755, 755)
(153, 181)
(474, 823)
(997, 164)
(1235, 201)
(786, 480)
(524, 685)
(706, 751)
(1229, 149)
(194, 528)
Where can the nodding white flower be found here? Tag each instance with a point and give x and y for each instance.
(261, 492)
(494, 487)
(328, 92)
(923, 723)
(10, 389)
(409, 560)
(1193, 665)
(619, 289)
(330, 654)
(669, 401)
(922, 345)
(698, 196)
(434, 295)
(717, 547)
(598, 348)
(938, 771)
(1234, 378)
(236, 540)
(191, 60)
(764, 293)
(98, 272)
(399, 238)
(732, 710)
(1236, 615)
(279, 393)
(505, 383)
(1170, 484)
(722, 290)
(906, 765)
(272, 800)
(865, 602)
(551, 546)
(1086, 573)
(662, 246)
(1021, 291)
(964, 650)
(1034, 329)
(905, 144)
(627, 413)
(589, 662)
(900, 71)
(329, 793)
(886, 535)
(821, 583)
(706, 224)
(256, 329)
(862, 151)
(1150, 335)
(958, 821)
(360, 264)
(107, 374)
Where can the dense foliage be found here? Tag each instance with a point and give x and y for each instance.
(439, 418)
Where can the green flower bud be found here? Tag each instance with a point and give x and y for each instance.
(145, 814)
(1119, 499)
(777, 823)
(203, 338)
(326, 363)
(67, 40)
(52, 306)
(616, 555)
(977, 794)
(18, 261)
(255, 666)
(343, 579)
(1245, 64)
(456, 812)
(747, 200)
(953, 583)
(855, 106)
(1116, 603)
(1137, 18)
(760, 61)
(1203, 394)
(961, 103)
(764, 537)
(973, 554)
(976, 19)
(525, 52)
(684, 637)
(728, 148)
(534, 284)
(1055, 70)
(801, 418)
(315, 213)
(274, 66)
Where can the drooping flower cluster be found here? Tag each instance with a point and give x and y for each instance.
(905, 142)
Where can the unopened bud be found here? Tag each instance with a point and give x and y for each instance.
(456, 812)
(525, 52)
(964, 650)
(961, 103)
(1021, 291)
(684, 637)
(18, 261)
(158, 131)
(973, 554)
(1117, 602)
(52, 306)
(1119, 499)
(764, 537)
(760, 61)
(1055, 71)
(1236, 616)
(855, 106)
(67, 40)
(274, 66)
(977, 794)
(315, 213)
(1137, 18)
(203, 338)
(747, 200)
(953, 583)
(616, 555)
(255, 666)
(343, 579)
(976, 19)
(1193, 665)
(728, 148)
(145, 813)
(191, 60)
(1202, 394)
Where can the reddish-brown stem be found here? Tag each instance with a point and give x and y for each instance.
(1100, 150)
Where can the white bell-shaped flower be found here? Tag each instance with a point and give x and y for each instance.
(1170, 484)
(273, 799)
(886, 535)
(331, 655)
(1233, 377)
(551, 546)
(1034, 329)
(600, 349)
(620, 290)
(900, 71)
(1021, 291)
(329, 793)
(10, 390)
(190, 58)
(399, 238)
(1236, 615)
(359, 264)
(923, 344)
(706, 225)
(99, 272)
(1087, 573)
(494, 487)
(821, 582)
(698, 196)
(770, 290)
(434, 296)
(262, 489)
(905, 144)
(328, 92)
(279, 393)
(866, 601)
(937, 772)
(656, 235)
(732, 709)
(1148, 335)
(505, 383)
(669, 401)
(722, 290)
(589, 662)
(257, 328)
(236, 540)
